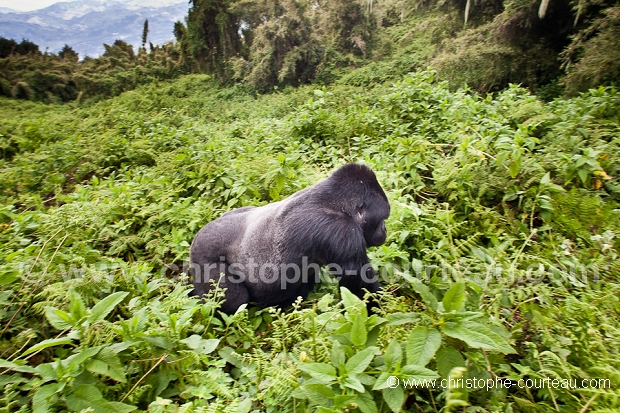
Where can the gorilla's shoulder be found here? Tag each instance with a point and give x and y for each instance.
(238, 210)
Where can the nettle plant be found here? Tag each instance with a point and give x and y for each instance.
(367, 358)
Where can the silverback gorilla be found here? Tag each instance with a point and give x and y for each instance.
(271, 255)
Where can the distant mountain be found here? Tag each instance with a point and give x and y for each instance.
(86, 25)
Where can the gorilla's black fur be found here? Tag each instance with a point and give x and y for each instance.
(272, 254)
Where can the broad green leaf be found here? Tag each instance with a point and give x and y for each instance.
(19, 366)
(366, 403)
(455, 297)
(514, 168)
(425, 293)
(447, 359)
(477, 336)
(78, 309)
(158, 341)
(324, 372)
(473, 338)
(164, 316)
(417, 266)
(8, 276)
(230, 356)
(422, 345)
(50, 342)
(163, 379)
(101, 367)
(87, 396)
(186, 316)
(358, 363)
(382, 381)
(60, 320)
(355, 384)
(393, 355)
(244, 406)
(108, 364)
(396, 319)
(300, 393)
(119, 407)
(45, 398)
(511, 196)
(118, 347)
(352, 303)
(226, 180)
(81, 357)
(358, 331)
(394, 397)
(200, 345)
(105, 306)
(343, 400)
(320, 389)
(554, 188)
(419, 373)
(47, 371)
(583, 175)
(338, 356)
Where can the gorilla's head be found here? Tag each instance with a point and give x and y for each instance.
(360, 195)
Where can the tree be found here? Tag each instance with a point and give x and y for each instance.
(284, 47)
(27, 47)
(145, 33)
(349, 24)
(7, 47)
(10, 46)
(212, 36)
(68, 54)
(120, 49)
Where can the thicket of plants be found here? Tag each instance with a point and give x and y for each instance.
(554, 47)
(28, 74)
(501, 260)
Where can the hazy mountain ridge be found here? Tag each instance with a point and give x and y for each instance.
(86, 25)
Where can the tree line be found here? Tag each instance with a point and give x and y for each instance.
(552, 47)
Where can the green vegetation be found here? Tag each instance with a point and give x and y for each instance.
(501, 260)
(554, 47)
(26, 73)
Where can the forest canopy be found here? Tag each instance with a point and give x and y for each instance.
(552, 47)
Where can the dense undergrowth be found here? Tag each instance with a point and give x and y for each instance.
(501, 261)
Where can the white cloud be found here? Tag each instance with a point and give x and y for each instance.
(28, 5)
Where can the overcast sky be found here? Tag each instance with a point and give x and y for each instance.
(27, 5)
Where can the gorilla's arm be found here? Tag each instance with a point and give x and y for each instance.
(366, 280)
(343, 249)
